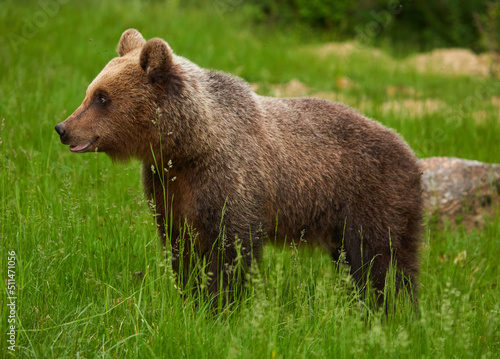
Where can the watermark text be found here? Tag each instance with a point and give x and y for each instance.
(11, 300)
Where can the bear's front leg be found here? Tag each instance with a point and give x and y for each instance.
(168, 224)
(228, 260)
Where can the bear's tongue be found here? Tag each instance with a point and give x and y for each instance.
(79, 147)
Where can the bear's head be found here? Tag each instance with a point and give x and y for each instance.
(120, 105)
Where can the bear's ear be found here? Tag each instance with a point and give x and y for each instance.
(131, 39)
(156, 59)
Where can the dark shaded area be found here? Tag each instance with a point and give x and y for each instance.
(422, 24)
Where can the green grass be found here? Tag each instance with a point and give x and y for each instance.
(90, 275)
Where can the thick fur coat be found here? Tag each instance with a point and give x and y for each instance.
(252, 165)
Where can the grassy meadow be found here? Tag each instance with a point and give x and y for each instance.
(90, 276)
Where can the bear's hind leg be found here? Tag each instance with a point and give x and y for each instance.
(368, 264)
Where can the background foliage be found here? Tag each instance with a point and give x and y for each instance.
(424, 23)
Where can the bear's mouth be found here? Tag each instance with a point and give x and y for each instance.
(82, 147)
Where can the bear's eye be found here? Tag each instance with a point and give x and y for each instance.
(101, 99)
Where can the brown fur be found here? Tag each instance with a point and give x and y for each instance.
(317, 168)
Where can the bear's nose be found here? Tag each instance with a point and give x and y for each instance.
(60, 129)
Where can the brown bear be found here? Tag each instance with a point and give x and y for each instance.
(249, 168)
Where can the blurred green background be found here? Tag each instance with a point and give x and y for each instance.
(412, 25)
